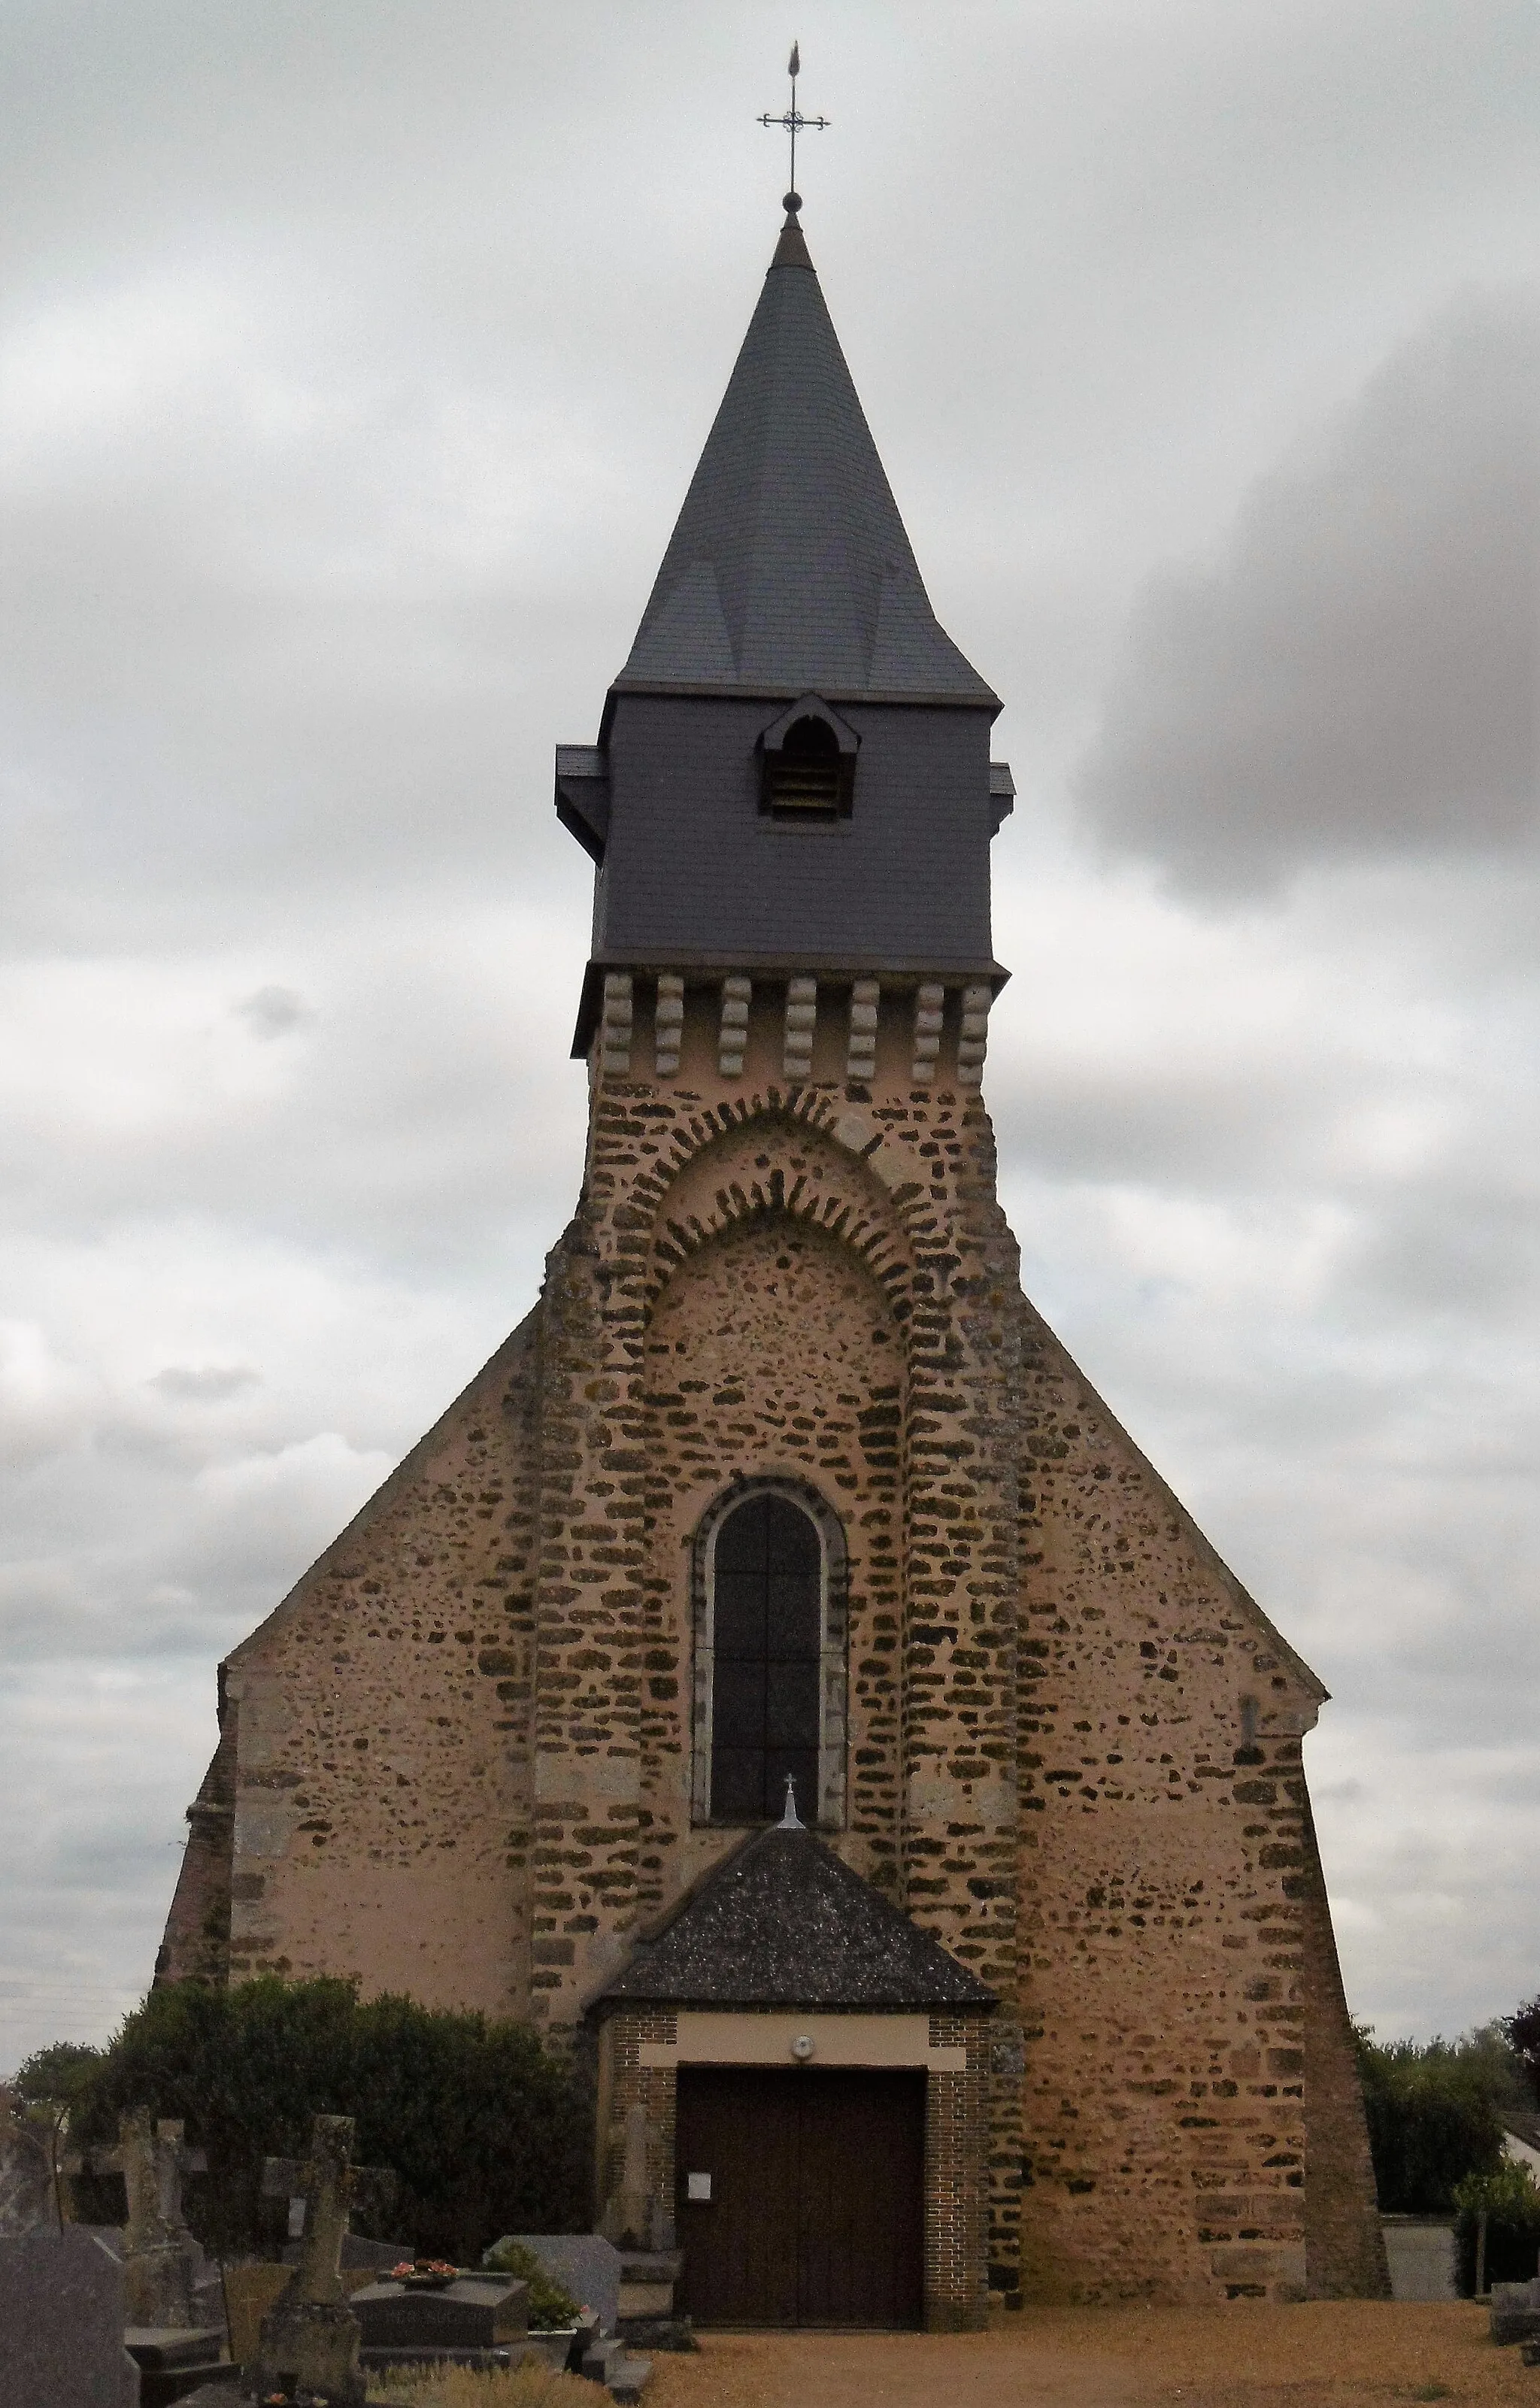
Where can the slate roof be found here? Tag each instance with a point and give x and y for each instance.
(789, 570)
(784, 1923)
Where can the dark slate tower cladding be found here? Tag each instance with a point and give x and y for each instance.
(793, 771)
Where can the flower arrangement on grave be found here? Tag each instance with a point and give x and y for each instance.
(425, 2273)
(550, 2308)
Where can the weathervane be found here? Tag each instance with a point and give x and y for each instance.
(794, 122)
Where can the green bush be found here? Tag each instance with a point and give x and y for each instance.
(485, 2129)
(1432, 2110)
(1508, 2198)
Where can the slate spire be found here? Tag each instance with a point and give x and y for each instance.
(790, 569)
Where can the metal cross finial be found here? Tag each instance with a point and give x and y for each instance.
(794, 124)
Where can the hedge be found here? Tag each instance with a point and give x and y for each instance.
(486, 2130)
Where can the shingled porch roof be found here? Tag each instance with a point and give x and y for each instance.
(782, 1922)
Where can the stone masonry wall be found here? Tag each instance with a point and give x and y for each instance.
(1343, 2238)
(196, 1947)
(1162, 1872)
(773, 1349)
(382, 1806)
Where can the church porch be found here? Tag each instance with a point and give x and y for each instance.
(806, 2118)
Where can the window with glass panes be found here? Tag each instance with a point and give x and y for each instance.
(766, 1639)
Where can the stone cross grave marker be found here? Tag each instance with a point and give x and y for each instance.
(160, 2255)
(310, 2335)
(631, 2216)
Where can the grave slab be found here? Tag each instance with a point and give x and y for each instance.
(174, 2359)
(358, 2255)
(473, 2313)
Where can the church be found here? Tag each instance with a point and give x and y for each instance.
(777, 1677)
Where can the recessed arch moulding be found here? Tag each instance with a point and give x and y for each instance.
(780, 1297)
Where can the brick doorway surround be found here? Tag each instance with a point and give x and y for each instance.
(641, 2050)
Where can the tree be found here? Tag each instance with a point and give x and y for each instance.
(486, 2130)
(1432, 2110)
(59, 2076)
(1521, 2031)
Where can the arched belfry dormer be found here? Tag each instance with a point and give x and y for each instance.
(807, 764)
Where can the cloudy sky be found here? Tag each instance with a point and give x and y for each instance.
(354, 355)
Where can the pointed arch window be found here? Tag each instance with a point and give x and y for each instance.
(770, 1669)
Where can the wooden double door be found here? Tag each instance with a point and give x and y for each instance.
(816, 2214)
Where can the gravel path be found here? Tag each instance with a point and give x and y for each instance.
(1337, 2354)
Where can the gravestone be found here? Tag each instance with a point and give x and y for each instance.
(1516, 2312)
(62, 2324)
(173, 2365)
(310, 2335)
(172, 2297)
(29, 2195)
(254, 2288)
(161, 2261)
(584, 2263)
(477, 2319)
(632, 2215)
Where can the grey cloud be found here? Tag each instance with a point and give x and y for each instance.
(273, 1012)
(394, 1126)
(1359, 673)
(204, 1383)
(156, 1560)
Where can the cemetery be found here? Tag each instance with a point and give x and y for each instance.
(138, 2312)
(139, 2316)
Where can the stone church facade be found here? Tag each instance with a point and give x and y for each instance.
(783, 1480)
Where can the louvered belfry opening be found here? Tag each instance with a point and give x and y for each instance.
(766, 1638)
(807, 777)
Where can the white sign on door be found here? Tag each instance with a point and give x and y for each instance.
(698, 2186)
